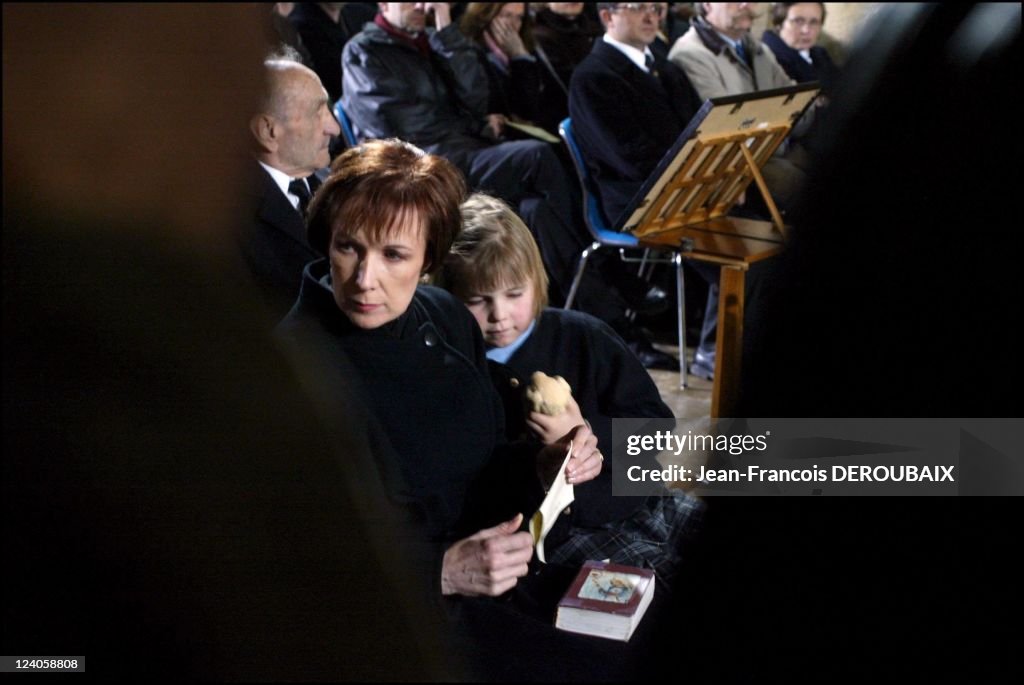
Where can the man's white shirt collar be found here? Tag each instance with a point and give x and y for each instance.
(282, 180)
(637, 57)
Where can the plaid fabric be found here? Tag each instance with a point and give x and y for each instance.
(652, 538)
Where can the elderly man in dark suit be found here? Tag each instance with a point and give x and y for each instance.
(291, 134)
(628, 106)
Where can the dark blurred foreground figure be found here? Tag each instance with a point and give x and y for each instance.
(173, 506)
(891, 302)
(921, 336)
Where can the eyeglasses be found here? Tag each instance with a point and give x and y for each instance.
(654, 8)
(800, 22)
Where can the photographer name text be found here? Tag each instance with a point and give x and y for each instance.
(759, 474)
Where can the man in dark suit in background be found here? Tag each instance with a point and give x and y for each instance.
(291, 134)
(628, 107)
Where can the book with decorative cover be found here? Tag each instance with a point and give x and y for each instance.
(606, 600)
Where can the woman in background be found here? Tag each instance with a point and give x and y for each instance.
(794, 43)
(564, 33)
(503, 33)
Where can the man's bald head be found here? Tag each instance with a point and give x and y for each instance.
(294, 125)
(282, 82)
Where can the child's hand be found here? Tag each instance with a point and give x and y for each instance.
(584, 465)
(551, 429)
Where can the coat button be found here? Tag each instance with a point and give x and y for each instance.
(514, 382)
(430, 338)
(567, 511)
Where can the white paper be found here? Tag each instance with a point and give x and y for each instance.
(558, 498)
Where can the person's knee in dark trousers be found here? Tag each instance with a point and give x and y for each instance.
(528, 175)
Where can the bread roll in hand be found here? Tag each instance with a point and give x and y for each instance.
(546, 394)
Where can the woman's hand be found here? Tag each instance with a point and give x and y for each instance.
(584, 464)
(489, 562)
(551, 429)
(507, 38)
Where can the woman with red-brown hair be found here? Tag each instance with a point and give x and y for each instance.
(385, 217)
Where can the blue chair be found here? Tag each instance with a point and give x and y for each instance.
(605, 237)
(346, 125)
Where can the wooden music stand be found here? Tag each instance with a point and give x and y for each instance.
(683, 206)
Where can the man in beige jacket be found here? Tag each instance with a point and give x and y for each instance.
(721, 57)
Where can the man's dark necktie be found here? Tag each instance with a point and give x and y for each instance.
(741, 52)
(649, 63)
(299, 188)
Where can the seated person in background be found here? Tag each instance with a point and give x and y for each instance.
(426, 86)
(325, 27)
(290, 136)
(794, 43)
(563, 33)
(627, 112)
(502, 33)
(281, 31)
(494, 267)
(628, 107)
(385, 217)
(677, 22)
(721, 57)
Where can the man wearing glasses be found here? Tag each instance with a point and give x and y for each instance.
(628, 106)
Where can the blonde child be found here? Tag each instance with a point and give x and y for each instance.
(495, 268)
